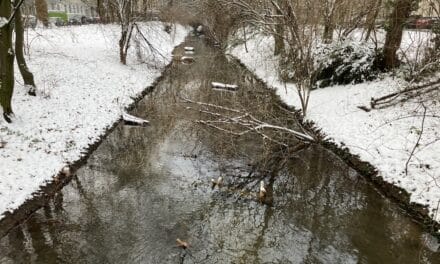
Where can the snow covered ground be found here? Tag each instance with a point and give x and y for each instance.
(82, 89)
(384, 138)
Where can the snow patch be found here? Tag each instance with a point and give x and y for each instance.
(85, 87)
(3, 21)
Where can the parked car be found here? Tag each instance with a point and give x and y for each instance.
(84, 20)
(57, 21)
(74, 21)
(96, 20)
(418, 22)
(424, 23)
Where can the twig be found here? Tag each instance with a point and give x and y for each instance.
(418, 140)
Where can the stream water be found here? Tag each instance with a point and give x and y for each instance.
(145, 187)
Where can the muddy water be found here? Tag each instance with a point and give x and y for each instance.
(145, 187)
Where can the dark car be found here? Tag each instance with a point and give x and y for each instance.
(411, 22)
(74, 21)
(424, 23)
(57, 21)
(418, 22)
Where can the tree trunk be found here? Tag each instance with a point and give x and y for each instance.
(41, 10)
(401, 12)
(102, 11)
(329, 19)
(6, 62)
(328, 31)
(122, 41)
(279, 36)
(28, 77)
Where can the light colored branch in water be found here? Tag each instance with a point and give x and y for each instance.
(245, 120)
(211, 105)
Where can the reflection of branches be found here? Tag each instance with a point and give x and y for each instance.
(245, 120)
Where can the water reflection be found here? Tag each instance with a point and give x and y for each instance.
(145, 187)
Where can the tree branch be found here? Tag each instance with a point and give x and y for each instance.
(418, 140)
(14, 12)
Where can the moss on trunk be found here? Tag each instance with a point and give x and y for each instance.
(6, 62)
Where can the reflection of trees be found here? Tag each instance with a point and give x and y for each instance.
(123, 204)
(36, 240)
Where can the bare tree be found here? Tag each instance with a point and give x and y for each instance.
(329, 9)
(126, 20)
(372, 15)
(27, 75)
(295, 26)
(128, 13)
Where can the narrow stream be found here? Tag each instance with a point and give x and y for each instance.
(145, 187)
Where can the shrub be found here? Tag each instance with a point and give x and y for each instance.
(344, 63)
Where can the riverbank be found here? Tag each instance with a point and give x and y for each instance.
(384, 138)
(82, 91)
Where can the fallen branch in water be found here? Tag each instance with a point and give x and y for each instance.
(134, 121)
(223, 86)
(244, 120)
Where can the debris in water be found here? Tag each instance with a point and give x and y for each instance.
(262, 192)
(182, 244)
(66, 171)
(189, 48)
(217, 182)
(223, 86)
(134, 121)
(187, 59)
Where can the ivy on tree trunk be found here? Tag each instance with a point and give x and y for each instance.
(6, 61)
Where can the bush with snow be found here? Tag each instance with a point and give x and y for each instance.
(344, 63)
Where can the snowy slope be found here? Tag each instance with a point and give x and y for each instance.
(384, 138)
(82, 88)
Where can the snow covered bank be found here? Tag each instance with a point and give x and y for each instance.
(82, 90)
(384, 138)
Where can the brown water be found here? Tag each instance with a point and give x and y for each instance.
(145, 187)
